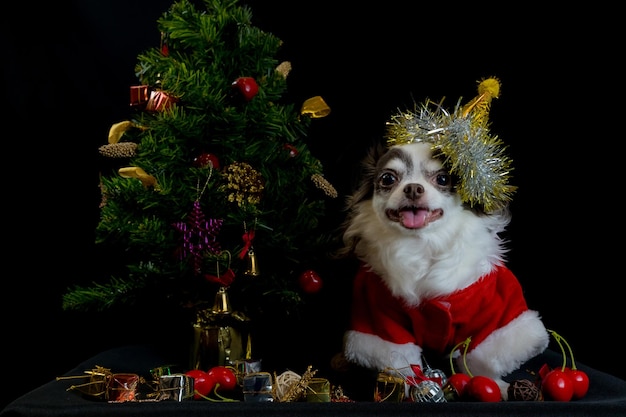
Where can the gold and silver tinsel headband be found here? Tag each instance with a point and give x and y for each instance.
(470, 151)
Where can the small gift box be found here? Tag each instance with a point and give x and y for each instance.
(159, 371)
(139, 95)
(177, 387)
(389, 388)
(318, 391)
(122, 387)
(257, 387)
(97, 384)
(245, 367)
(160, 101)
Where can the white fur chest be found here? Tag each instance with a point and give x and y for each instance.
(434, 262)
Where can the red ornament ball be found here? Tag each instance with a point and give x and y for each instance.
(293, 151)
(247, 86)
(310, 281)
(206, 160)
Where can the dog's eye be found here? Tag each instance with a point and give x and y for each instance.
(387, 179)
(443, 179)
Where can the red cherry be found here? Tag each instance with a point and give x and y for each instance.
(482, 388)
(224, 376)
(310, 281)
(557, 386)
(247, 87)
(203, 383)
(568, 383)
(580, 380)
(458, 382)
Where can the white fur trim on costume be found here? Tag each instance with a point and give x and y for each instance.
(507, 348)
(372, 352)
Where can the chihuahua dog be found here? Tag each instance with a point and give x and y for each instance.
(432, 272)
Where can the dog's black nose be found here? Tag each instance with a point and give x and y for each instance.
(413, 190)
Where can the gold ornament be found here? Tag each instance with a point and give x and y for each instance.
(244, 182)
(117, 130)
(323, 184)
(284, 68)
(136, 172)
(220, 335)
(253, 266)
(315, 107)
(119, 150)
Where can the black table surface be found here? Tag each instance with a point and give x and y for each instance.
(606, 397)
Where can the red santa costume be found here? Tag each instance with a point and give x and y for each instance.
(386, 332)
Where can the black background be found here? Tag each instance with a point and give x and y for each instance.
(67, 69)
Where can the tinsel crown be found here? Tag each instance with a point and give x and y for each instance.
(470, 151)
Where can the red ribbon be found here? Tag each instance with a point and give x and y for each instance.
(247, 239)
(418, 377)
(224, 280)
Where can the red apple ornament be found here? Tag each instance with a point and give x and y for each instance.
(310, 281)
(247, 86)
(206, 160)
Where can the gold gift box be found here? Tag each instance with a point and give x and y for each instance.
(318, 391)
(389, 388)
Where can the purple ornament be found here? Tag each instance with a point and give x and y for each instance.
(198, 235)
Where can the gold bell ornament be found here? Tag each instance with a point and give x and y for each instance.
(253, 265)
(248, 252)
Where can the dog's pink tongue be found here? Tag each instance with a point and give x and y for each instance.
(414, 219)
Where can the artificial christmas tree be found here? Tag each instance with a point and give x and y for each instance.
(209, 186)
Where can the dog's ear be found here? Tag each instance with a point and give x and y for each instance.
(364, 190)
(367, 176)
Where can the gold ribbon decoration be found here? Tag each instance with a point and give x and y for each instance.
(136, 172)
(117, 130)
(315, 107)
